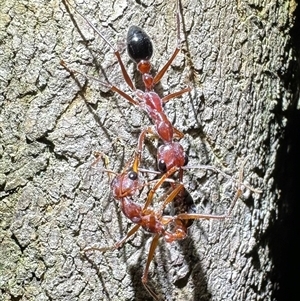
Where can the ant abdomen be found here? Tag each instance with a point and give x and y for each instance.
(139, 45)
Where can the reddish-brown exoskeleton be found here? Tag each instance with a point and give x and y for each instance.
(170, 155)
(140, 50)
(171, 227)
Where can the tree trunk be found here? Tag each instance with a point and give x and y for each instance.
(55, 197)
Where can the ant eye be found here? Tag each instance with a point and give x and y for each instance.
(186, 160)
(132, 175)
(162, 166)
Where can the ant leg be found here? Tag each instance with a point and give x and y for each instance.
(199, 216)
(239, 190)
(158, 184)
(125, 95)
(153, 246)
(151, 292)
(117, 245)
(148, 130)
(116, 52)
(225, 175)
(171, 197)
(236, 197)
(130, 233)
(175, 94)
(186, 216)
(104, 84)
(161, 73)
(179, 134)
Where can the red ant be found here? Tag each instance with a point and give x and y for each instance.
(140, 50)
(126, 184)
(171, 228)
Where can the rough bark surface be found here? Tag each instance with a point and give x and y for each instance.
(54, 201)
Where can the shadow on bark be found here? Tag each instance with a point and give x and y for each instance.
(286, 230)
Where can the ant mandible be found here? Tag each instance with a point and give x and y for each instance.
(140, 50)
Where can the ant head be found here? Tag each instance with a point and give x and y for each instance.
(171, 155)
(125, 184)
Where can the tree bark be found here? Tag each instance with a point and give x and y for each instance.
(55, 199)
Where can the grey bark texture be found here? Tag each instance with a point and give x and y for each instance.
(55, 200)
